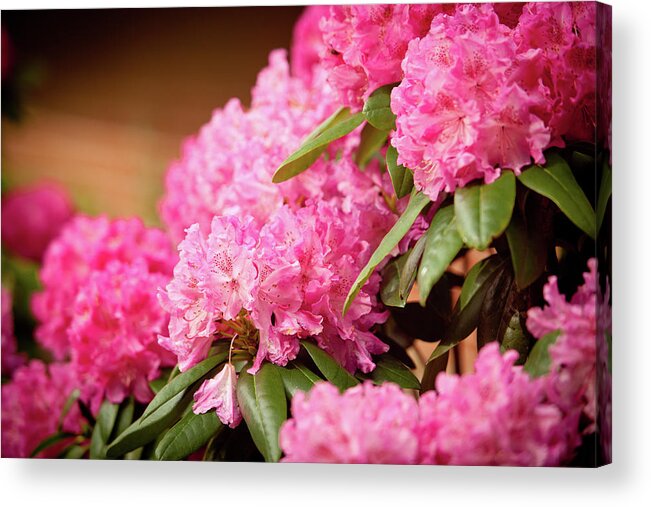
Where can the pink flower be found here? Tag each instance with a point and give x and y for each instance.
(462, 113)
(574, 354)
(219, 393)
(307, 42)
(11, 359)
(495, 416)
(86, 245)
(365, 424)
(32, 217)
(32, 404)
(113, 333)
(365, 45)
(214, 280)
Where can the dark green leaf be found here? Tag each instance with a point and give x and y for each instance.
(188, 435)
(417, 203)
(539, 363)
(408, 274)
(74, 452)
(297, 377)
(183, 380)
(496, 309)
(331, 369)
(605, 191)
(401, 177)
(341, 123)
(50, 441)
(515, 338)
(157, 385)
(125, 416)
(389, 369)
(441, 350)
(264, 407)
(390, 288)
(442, 244)
(377, 109)
(370, 143)
(433, 367)
(556, 182)
(528, 251)
(484, 211)
(102, 431)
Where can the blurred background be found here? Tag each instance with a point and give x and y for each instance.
(100, 100)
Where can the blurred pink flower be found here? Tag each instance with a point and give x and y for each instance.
(113, 333)
(11, 359)
(307, 42)
(365, 424)
(84, 246)
(32, 217)
(32, 404)
(219, 393)
(495, 416)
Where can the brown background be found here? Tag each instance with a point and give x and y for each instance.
(120, 88)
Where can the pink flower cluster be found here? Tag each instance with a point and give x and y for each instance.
(496, 416)
(11, 359)
(32, 217)
(98, 306)
(365, 45)
(226, 169)
(574, 354)
(290, 280)
(478, 97)
(32, 404)
(365, 424)
(307, 42)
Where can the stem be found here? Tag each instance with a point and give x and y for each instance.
(230, 349)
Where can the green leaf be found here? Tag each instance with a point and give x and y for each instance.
(50, 441)
(188, 435)
(465, 317)
(125, 416)
(497, 307)
(539, 363)
(102, 431)
(528, 251)
(157, 385)
(434, 366)
(441, 350)
(331, 369)
(417, 203)
(166, 407)
(515, 339)
(401, 177)
(370, 143)
(183, 380)
(341, 123)
(408, 274)
(390, 288)
(556, 182)
(483, 211)
(264, 407)
(390, 369)
(605, 191)
(72, 400)
(297, 377)
(74, 452)
(377, 109)
(442, 244)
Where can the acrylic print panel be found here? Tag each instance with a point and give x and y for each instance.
(390, 245)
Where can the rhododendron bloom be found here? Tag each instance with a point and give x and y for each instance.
(32, 217)
(113, 333)
(461, 113)
(86, 245)
(365, 424)
(365, 45)
(32, 404)
(495, 416)
(11, 359)
(219, 393)
(574, 353)
(307, 42)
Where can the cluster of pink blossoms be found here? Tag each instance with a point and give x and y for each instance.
(580, 351)
(496, 416)
(478, 97)
(32, 404)
(11, 359)
(98, 307)
(32, 217)
(307, 42)
(366, 43)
